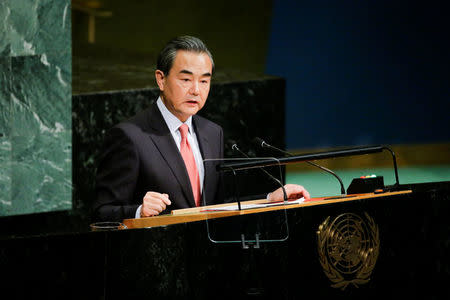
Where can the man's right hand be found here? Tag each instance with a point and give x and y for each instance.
(154, 203)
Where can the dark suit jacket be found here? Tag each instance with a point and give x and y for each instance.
(140, 155)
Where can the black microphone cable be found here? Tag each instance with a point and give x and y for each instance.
(263, 144)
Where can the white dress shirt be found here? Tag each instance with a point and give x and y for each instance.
(174, 123)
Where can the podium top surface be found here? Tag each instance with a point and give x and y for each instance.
(205, 212)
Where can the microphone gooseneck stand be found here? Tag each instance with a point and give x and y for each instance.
(263, 144)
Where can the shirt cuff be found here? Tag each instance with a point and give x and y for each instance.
(138, 212)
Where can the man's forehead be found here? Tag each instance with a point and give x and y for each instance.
(189, 62)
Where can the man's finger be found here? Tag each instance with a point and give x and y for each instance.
(148, 212)
(166, 199)
(158, 206)
(296, 191)
(162, 197)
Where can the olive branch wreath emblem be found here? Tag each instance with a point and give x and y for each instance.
(348, 249)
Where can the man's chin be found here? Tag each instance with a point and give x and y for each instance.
(191, 110)
(186, 113)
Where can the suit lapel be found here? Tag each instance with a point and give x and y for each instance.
(160, 134)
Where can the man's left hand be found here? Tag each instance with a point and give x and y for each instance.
(293, 192)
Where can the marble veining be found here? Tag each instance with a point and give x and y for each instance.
(38, 28)
(5, 176)
(5, 12)
(5, 70)
(36, 104)
(5, 141)
(42, 101)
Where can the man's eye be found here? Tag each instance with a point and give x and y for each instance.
(185, 79)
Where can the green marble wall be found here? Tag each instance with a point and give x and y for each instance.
(35, 106)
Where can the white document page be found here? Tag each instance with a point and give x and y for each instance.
(251, 206)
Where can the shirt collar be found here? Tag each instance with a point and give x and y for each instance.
(172, 122)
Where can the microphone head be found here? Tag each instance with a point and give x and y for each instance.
(260, 142)
(232, 144)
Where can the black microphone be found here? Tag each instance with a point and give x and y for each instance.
(236, 148)
(263, 144)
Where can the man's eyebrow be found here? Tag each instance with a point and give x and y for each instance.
(186, 72)
(190, 73)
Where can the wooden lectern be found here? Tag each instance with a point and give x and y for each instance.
(344, 247)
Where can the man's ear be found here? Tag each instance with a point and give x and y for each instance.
(160, 79)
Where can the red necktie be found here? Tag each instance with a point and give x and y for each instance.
(189, 161)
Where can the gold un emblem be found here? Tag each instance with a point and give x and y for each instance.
(348, 249)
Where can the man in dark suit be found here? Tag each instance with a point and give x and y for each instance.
(155, 159)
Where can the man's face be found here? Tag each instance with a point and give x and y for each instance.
(185, 89)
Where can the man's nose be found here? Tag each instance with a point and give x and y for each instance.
(195, 89)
